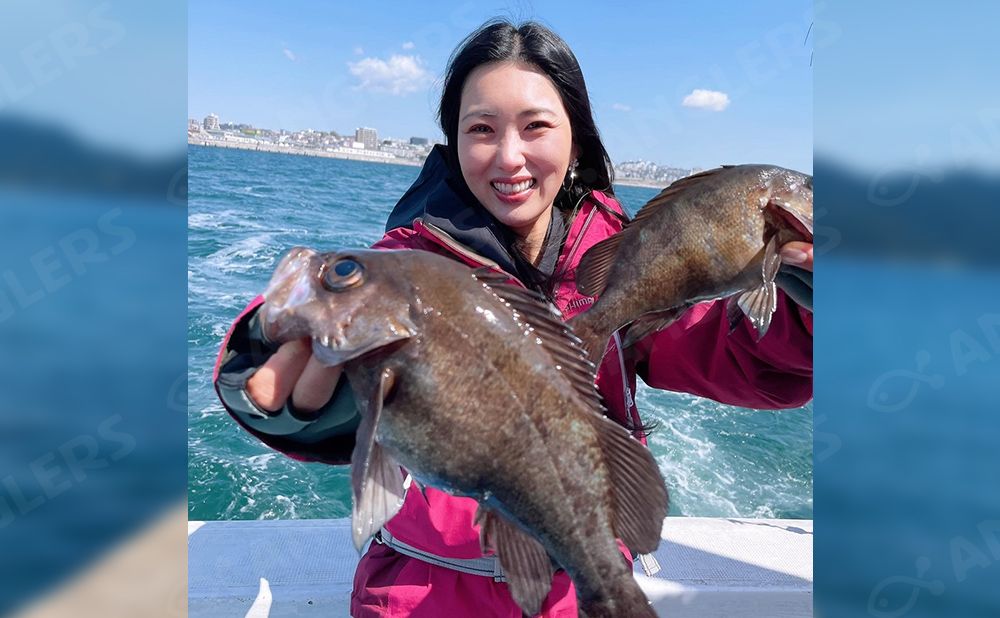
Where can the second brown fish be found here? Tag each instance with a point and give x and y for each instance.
(711, 235)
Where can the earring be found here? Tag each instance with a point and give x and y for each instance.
(570, 175)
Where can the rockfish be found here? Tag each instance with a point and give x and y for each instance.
(711, 235)
(476, 387)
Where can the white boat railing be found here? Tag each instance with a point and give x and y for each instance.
(710, 567)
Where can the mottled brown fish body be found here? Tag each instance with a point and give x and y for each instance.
(478, 389)
(704, 237)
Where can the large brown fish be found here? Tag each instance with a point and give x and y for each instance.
(711, 235)
(477, 388)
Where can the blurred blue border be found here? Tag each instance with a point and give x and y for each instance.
(93, 188)
(907, 500)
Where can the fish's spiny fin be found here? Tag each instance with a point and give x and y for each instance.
(672, 191)
(526, 565)
(648, 324)
(556, 336)
(595, 266)
(759, 304)
(640, 495)
(376, 480)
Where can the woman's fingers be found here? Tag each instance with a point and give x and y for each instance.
(273, 382)
(798, 254)
(315, 385)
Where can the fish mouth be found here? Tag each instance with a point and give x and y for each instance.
(333, 349)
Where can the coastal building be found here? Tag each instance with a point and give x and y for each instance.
(367, 136)
(418, 141)
(211, 123)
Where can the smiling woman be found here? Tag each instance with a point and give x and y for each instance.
(523, 189)
(515, 146)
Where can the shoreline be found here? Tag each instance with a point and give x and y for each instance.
(303, 152)
(634, 182)
(306, 152)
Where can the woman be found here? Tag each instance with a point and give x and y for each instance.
(524, 187)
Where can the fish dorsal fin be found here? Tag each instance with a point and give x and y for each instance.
(595, 267)
(526, 564)
(556, 336)
(375, 477)
(671, 192)
(640, 495)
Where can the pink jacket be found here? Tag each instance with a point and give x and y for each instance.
(696, 354)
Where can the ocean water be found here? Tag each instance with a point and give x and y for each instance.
(247, 208)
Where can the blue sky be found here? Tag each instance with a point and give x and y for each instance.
(337, 66)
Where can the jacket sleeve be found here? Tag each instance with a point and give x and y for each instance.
(327, 437)
(697, 354)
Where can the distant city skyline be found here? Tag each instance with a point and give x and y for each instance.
(685, 85)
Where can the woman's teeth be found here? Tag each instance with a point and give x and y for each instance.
(511, 189)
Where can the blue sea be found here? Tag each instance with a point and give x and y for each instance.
(247, 208)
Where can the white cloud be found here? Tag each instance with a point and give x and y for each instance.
(289, 54)
(408, 45)
(621, 107)
(359, 51)
(707, 99)
(398, 75)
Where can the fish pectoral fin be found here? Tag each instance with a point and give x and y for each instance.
(650, 323)
(376, 480)
(640, 494)
(760, 303)
(526, 564)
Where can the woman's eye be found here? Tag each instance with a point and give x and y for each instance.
(537, 125)
(479, 128)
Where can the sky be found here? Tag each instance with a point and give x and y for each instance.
(686, 84)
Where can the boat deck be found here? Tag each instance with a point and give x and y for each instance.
(709, 567)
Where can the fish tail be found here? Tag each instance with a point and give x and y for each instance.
(627, 600)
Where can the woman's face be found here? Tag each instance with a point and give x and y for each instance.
(514, 144)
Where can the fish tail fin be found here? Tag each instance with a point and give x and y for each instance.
(627, 600)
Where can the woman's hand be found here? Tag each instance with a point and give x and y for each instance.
(293, 371)
(795, 275)
(799, 254)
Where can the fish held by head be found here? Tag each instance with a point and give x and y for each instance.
(476, 387)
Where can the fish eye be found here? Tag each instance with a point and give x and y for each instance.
(343, 274)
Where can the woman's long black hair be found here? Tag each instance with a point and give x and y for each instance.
(499, 40)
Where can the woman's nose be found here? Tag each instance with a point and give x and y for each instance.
(510, 153)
